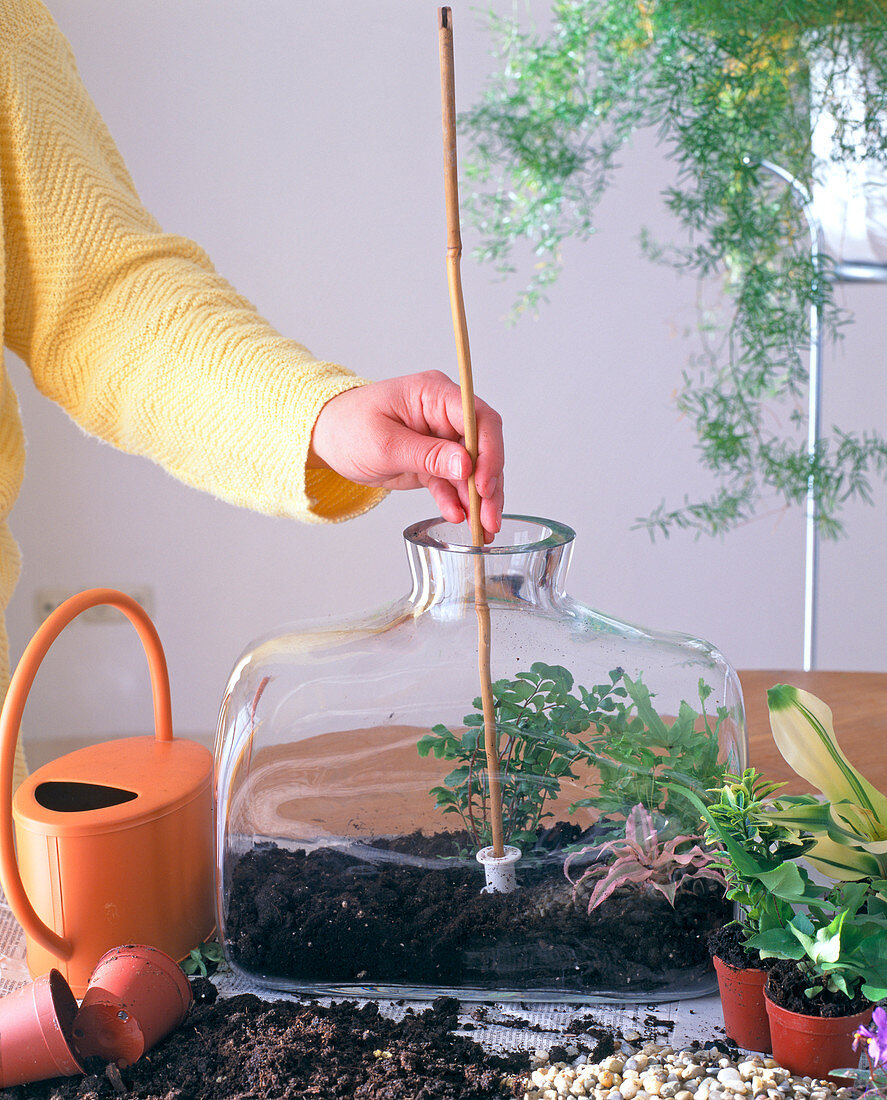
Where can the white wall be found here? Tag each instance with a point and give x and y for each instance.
(299, 143)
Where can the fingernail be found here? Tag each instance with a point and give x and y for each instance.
(491, 487)
(456, 467)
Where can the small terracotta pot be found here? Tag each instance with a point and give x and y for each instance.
(136, 996)
(36, 1032)
(813, 1046)
(742, 1002)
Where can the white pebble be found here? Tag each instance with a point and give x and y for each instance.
(730, 1076)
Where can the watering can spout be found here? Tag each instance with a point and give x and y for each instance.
(113, 843)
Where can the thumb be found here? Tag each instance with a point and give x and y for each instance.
(414, 453)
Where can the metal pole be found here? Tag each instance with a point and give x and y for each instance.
(814, 424)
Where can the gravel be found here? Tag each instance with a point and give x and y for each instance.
(654, 1071)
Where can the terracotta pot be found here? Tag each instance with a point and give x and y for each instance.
(742, 1001)
(36, 1032)
(813, 1046)
(136, 996)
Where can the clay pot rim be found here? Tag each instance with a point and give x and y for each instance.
(828, 1023)
(40, 1020)
(826, 1020)
(142, 985)
(730, 968)
(131, 958)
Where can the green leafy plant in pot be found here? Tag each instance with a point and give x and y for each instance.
(835, 948)
(826, 938)
(757, 856)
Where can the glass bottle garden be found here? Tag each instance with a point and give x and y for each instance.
(365, 846)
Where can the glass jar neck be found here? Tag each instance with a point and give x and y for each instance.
(525, 566)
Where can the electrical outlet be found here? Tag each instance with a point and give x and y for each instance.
(143, 594)
(46, 600)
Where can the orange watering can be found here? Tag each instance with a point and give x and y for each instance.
(114, 841)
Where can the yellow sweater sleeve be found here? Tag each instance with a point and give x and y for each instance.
(130, 329)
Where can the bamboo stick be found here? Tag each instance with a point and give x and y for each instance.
(469, 417)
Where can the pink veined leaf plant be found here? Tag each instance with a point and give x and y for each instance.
(642, 859)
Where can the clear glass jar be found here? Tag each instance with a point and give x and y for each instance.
(353, 794)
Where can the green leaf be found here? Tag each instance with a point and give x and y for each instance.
(777, 943)
(425, 744)
(803, 729)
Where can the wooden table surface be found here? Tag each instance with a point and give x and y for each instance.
(858, 701)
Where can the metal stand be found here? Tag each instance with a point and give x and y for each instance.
(844, 271)
(814, 424)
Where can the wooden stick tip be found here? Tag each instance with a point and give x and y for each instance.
(444, 17)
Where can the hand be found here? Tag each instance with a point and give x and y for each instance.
(404, 433)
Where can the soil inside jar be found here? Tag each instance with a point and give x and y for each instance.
(333, 916)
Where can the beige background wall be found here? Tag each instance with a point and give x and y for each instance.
(299, 143)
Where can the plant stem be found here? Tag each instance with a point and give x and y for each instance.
(460, 328)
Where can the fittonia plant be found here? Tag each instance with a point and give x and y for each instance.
(551, 730)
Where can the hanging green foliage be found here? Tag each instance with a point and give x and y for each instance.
(726, 86)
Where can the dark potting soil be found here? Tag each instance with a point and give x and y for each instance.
(335, 916)
(243, 1048)
(728, 944)
(786, 985)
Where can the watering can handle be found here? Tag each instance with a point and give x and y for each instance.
(10, 721)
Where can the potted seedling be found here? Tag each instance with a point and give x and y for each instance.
(757, 856)
(833, 973)
(830, 938)
(836, 950)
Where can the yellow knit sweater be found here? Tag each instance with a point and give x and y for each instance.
(129, 328)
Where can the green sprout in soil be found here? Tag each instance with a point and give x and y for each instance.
(549, 728)
(204, 959)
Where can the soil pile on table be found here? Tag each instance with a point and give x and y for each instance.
(242, 1047)
(361, 916)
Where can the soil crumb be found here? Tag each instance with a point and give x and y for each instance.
(242, 1047)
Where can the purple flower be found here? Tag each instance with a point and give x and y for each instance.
(875, 1041)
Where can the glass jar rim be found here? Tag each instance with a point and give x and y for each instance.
(551, 534)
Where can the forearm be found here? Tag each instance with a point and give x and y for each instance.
(130, 329)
